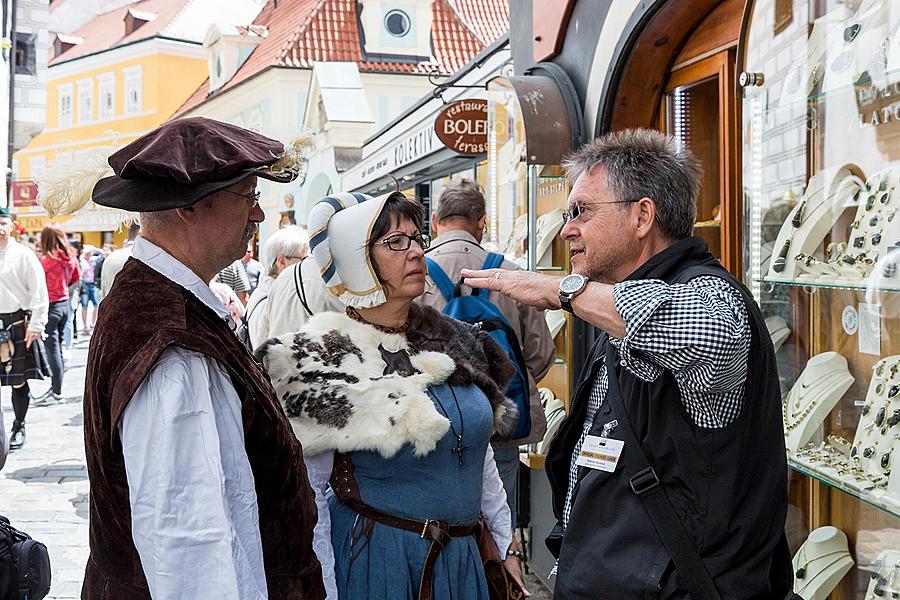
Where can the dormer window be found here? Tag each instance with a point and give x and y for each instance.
(64, 43)
(135, 19)
(397, 23)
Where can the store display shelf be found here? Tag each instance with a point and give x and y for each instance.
(874, 498)
(532, 460)
(861, 285)
(707, 225)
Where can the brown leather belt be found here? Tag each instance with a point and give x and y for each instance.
(438, 532)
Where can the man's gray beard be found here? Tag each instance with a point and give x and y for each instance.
(251, 230)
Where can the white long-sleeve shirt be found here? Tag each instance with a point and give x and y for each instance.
(23, 285)
(493, 506)
(194, 513)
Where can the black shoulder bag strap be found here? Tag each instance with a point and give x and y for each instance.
(646, 485)
(298, 286)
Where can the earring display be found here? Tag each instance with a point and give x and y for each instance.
(884, 581)
(821, 385)
(821, 562)
(812, 218)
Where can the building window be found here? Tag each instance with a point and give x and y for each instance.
(85, 101)
(397, 23)
(25, 57)
(107, 95)
(65, 105)
(133, 87)
(36, 167)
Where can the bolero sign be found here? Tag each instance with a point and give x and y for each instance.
(462, 126)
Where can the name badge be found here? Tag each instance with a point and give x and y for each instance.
(600, 453)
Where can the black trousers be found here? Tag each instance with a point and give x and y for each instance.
(56, 325)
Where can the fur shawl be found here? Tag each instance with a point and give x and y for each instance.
(331, 379)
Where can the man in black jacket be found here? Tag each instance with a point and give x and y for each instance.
(669, 474)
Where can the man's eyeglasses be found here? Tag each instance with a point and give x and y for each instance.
(253, 200)
(400, 242)
(575, 209)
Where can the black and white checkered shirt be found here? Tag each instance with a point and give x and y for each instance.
(699, 330)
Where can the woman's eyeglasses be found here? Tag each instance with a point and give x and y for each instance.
(400, 242)
(575, 209)
(253, 200)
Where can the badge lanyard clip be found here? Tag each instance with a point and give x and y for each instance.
(608, 427)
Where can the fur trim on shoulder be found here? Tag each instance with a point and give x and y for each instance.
(330, 379)
(479, 360)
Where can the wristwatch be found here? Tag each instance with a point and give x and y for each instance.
(569, 287)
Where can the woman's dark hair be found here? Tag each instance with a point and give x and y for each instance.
(54, 242)
(396, 208)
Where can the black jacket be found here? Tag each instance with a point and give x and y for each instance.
(728, 485)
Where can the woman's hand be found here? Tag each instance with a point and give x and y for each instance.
(514, 566)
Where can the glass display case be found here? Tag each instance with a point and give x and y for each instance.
(821, 167)
(525, 216)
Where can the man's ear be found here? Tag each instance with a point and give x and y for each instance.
(646, 216)
(434, 222)
(188, 214)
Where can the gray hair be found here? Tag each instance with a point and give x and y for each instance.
(463, 198)
(641, 163)
(288, 242)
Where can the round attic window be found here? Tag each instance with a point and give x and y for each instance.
(397, 23)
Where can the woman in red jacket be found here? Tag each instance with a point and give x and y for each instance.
(61, 268)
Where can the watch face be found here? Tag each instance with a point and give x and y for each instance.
(571, 283)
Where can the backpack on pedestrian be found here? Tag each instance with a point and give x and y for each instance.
(475, 308)
(24, 565)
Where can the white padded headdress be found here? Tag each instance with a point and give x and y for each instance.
(340, 226)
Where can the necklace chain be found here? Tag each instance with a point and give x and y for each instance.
(354, 314)
(461, 445)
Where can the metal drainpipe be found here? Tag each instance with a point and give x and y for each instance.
(12, 98)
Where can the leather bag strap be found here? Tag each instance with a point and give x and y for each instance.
(647, 487)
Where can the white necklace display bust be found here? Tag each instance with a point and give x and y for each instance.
(821, 562)
(823, 382)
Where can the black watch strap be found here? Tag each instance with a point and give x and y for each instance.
(565, 302)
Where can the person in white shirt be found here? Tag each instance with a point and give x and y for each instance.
(23, 315)
(116, 260)
(295, 296)
(198, 487)
(284, 248)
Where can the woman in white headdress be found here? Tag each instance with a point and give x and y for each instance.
(395, 404)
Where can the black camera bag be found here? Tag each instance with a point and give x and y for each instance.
(24, 565)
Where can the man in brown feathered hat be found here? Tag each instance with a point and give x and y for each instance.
(198, 487)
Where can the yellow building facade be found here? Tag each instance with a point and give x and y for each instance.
(104, 99)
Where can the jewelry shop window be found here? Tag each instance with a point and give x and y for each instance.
(821, 171)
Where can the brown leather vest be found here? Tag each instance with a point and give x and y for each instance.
(143, 314)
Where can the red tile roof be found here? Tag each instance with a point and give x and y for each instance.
(302, 32)
(108, 30)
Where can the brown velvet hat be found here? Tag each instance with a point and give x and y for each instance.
(186, 160)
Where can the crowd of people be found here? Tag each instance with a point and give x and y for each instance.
(317, 425)
(44, 279)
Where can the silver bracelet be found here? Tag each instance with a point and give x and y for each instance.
(517, 553)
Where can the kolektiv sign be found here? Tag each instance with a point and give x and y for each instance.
(462, 126)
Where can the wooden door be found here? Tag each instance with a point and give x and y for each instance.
(698, 107)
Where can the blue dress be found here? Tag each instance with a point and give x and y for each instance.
(387, 564)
